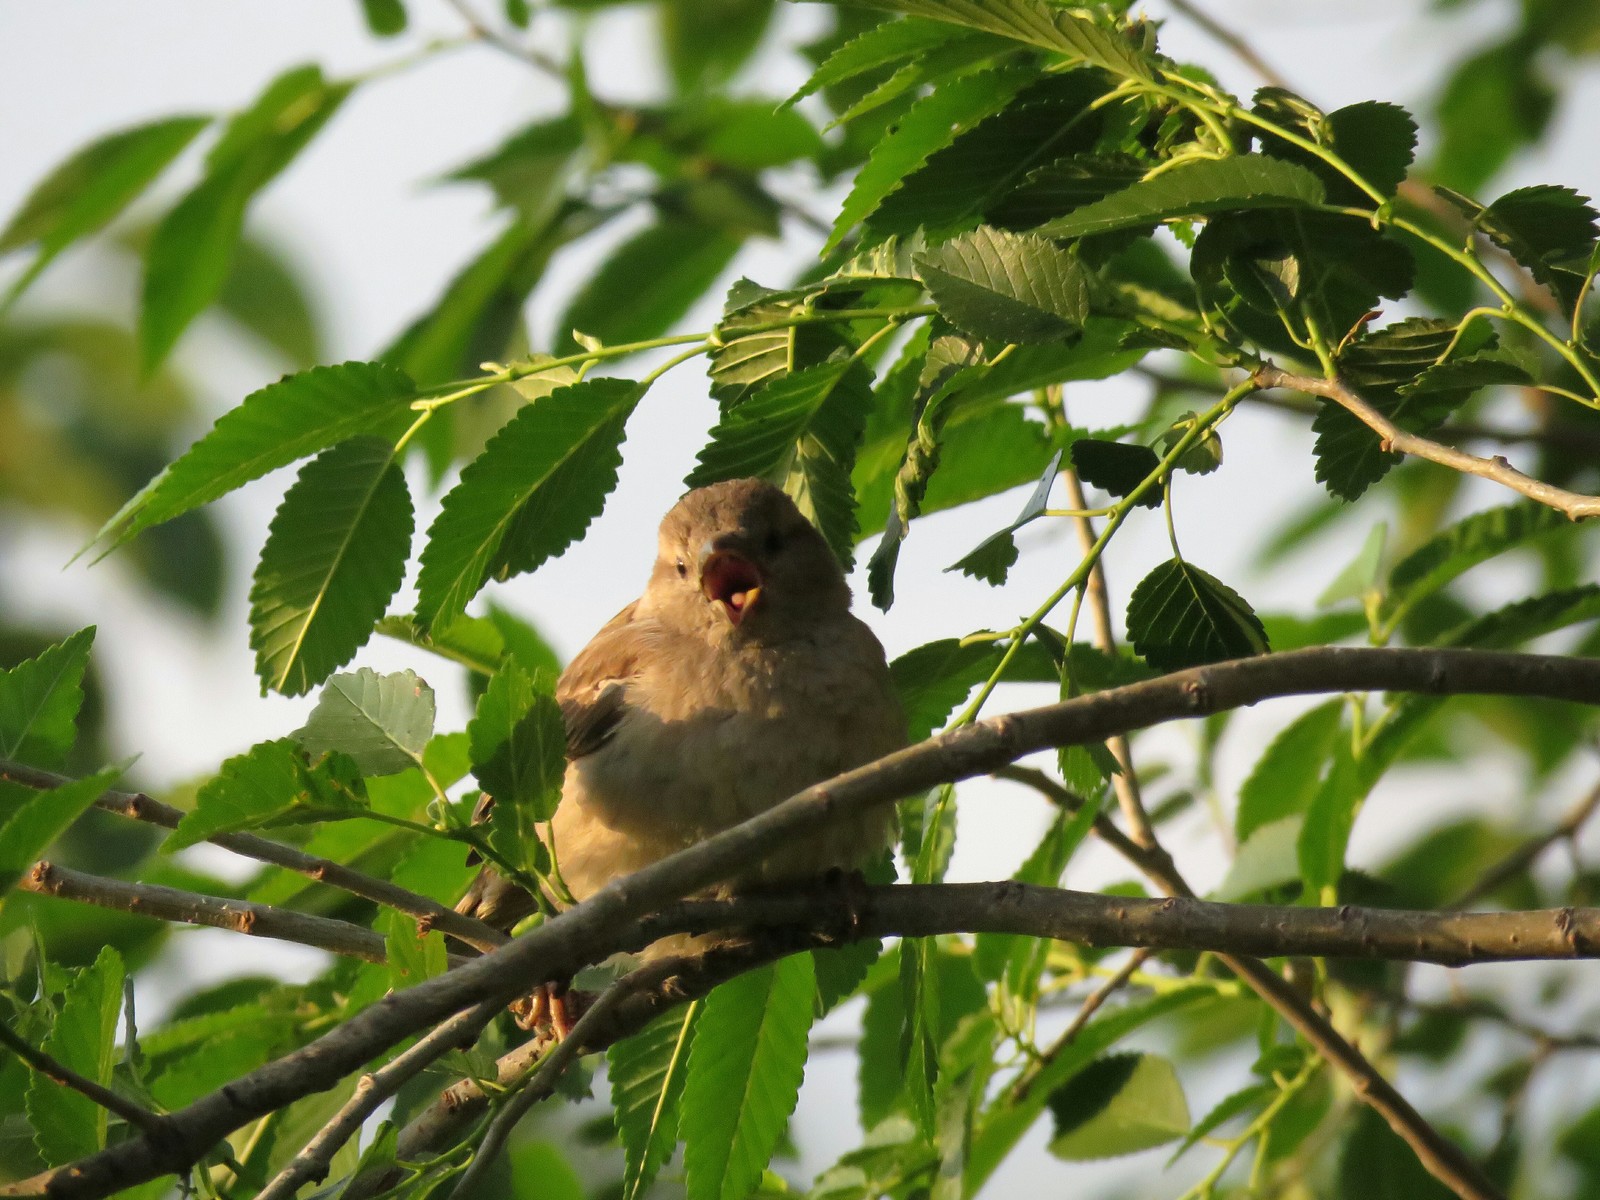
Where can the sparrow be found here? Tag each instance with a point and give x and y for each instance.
(738, 678)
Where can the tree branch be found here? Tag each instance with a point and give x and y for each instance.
(1393, 438)
(608, 920)
(140, 807)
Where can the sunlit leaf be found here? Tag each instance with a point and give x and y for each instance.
(381, 721)
(68, 1125)
(40, 698)
(272, 783)
(1011, 287)
(646, 1072)
(1117, 1105)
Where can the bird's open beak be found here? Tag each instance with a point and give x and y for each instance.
(729, 580)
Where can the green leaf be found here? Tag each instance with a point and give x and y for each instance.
(518, 755)
(931, 123)
(800, 432)
(745, 1067)
(995, 555)
(40, 699)
(1072, 182)
(879, 46)
(647, 1072)
(1548, 229)
(1246, 1099)
(1009, 287)
(282, 422)
(189, 253)
(1117, 467)
(1464, 545)
(1193, 189)
(381, 721)
(932, 679)
(385, 18)
(707, 41)
(88, 190)
(44, 816)
(1269, 858)
(530, 170)
(528, 496)
(542, 1169)
(1359, 579)
(1035, 23)
(1286, 776)
(1377, 139)
(1180, 616)
(334, 556)
(67, 1125)
(1119, 1104)
(648, 282)
(271, 783)
(413, 954)
(264, 295)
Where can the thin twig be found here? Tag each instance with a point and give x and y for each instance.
(1242, 50)
(1126, 783)
(140, 807)
(52, 1068)
(1091, 1005)
(1393, 438)
(1522, 857)
(191, 908)
(608, 920)
(311, 1164)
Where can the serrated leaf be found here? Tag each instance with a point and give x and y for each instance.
(1119, 1104)
(381, 721)
(528, 496)
(931, 123)
(647, 1072)
(1377, 139)
(1059, 187)
(1254, 1096)
(745, 1067)
(334, 556)
(88, 190)
(935, 677)
(1464, 545)
(1034, 23)
(299, 415)
(876, 47)
(189, 253)
(44, 816)
(1010, 287)
(1193, 189)
(649, 282)
(413, 955)
(67, 1125)
(1180, 616)
(40, 698)
(518, 755)
(1487, 368)
(1117, 467)
(800, 432)
(1285, 777)
(271, 783)
(1548, 229)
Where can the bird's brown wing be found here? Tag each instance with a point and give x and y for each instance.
(592, 691)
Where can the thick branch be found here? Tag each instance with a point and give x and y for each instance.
(140, 807)
(1497, 469)
(607, 920)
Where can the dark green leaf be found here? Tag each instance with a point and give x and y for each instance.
(299, 415)
(1117, 1105)
(932, 679)
(1009, 287)
(519, 750)
(646, 1072)
(1192, 189)
(380, 721)
(91, 188)
(996, 554)
(931, 123)
(882, 45)
(707, 41)
(335, 555)
(272, 783)
(648, 282)
(1377, 139)
(41, 818)
(1062, 186)
(528, 496)
(40, 699)
(745, 1067)
(1180, 616)
(1286, 776)
(189, 254)
(1550, 230)
(385, 18)
(67, 1125)
(1117, 467)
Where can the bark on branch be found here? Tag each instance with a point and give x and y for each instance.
(610, 919)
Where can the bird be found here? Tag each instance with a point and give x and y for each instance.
(737, 678)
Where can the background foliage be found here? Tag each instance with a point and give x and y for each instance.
(1012, 202)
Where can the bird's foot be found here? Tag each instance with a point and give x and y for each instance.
(552, 1006)
(849, 889)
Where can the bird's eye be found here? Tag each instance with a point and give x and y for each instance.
(682, 569)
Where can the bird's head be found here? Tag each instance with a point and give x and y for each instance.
(740, 557)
